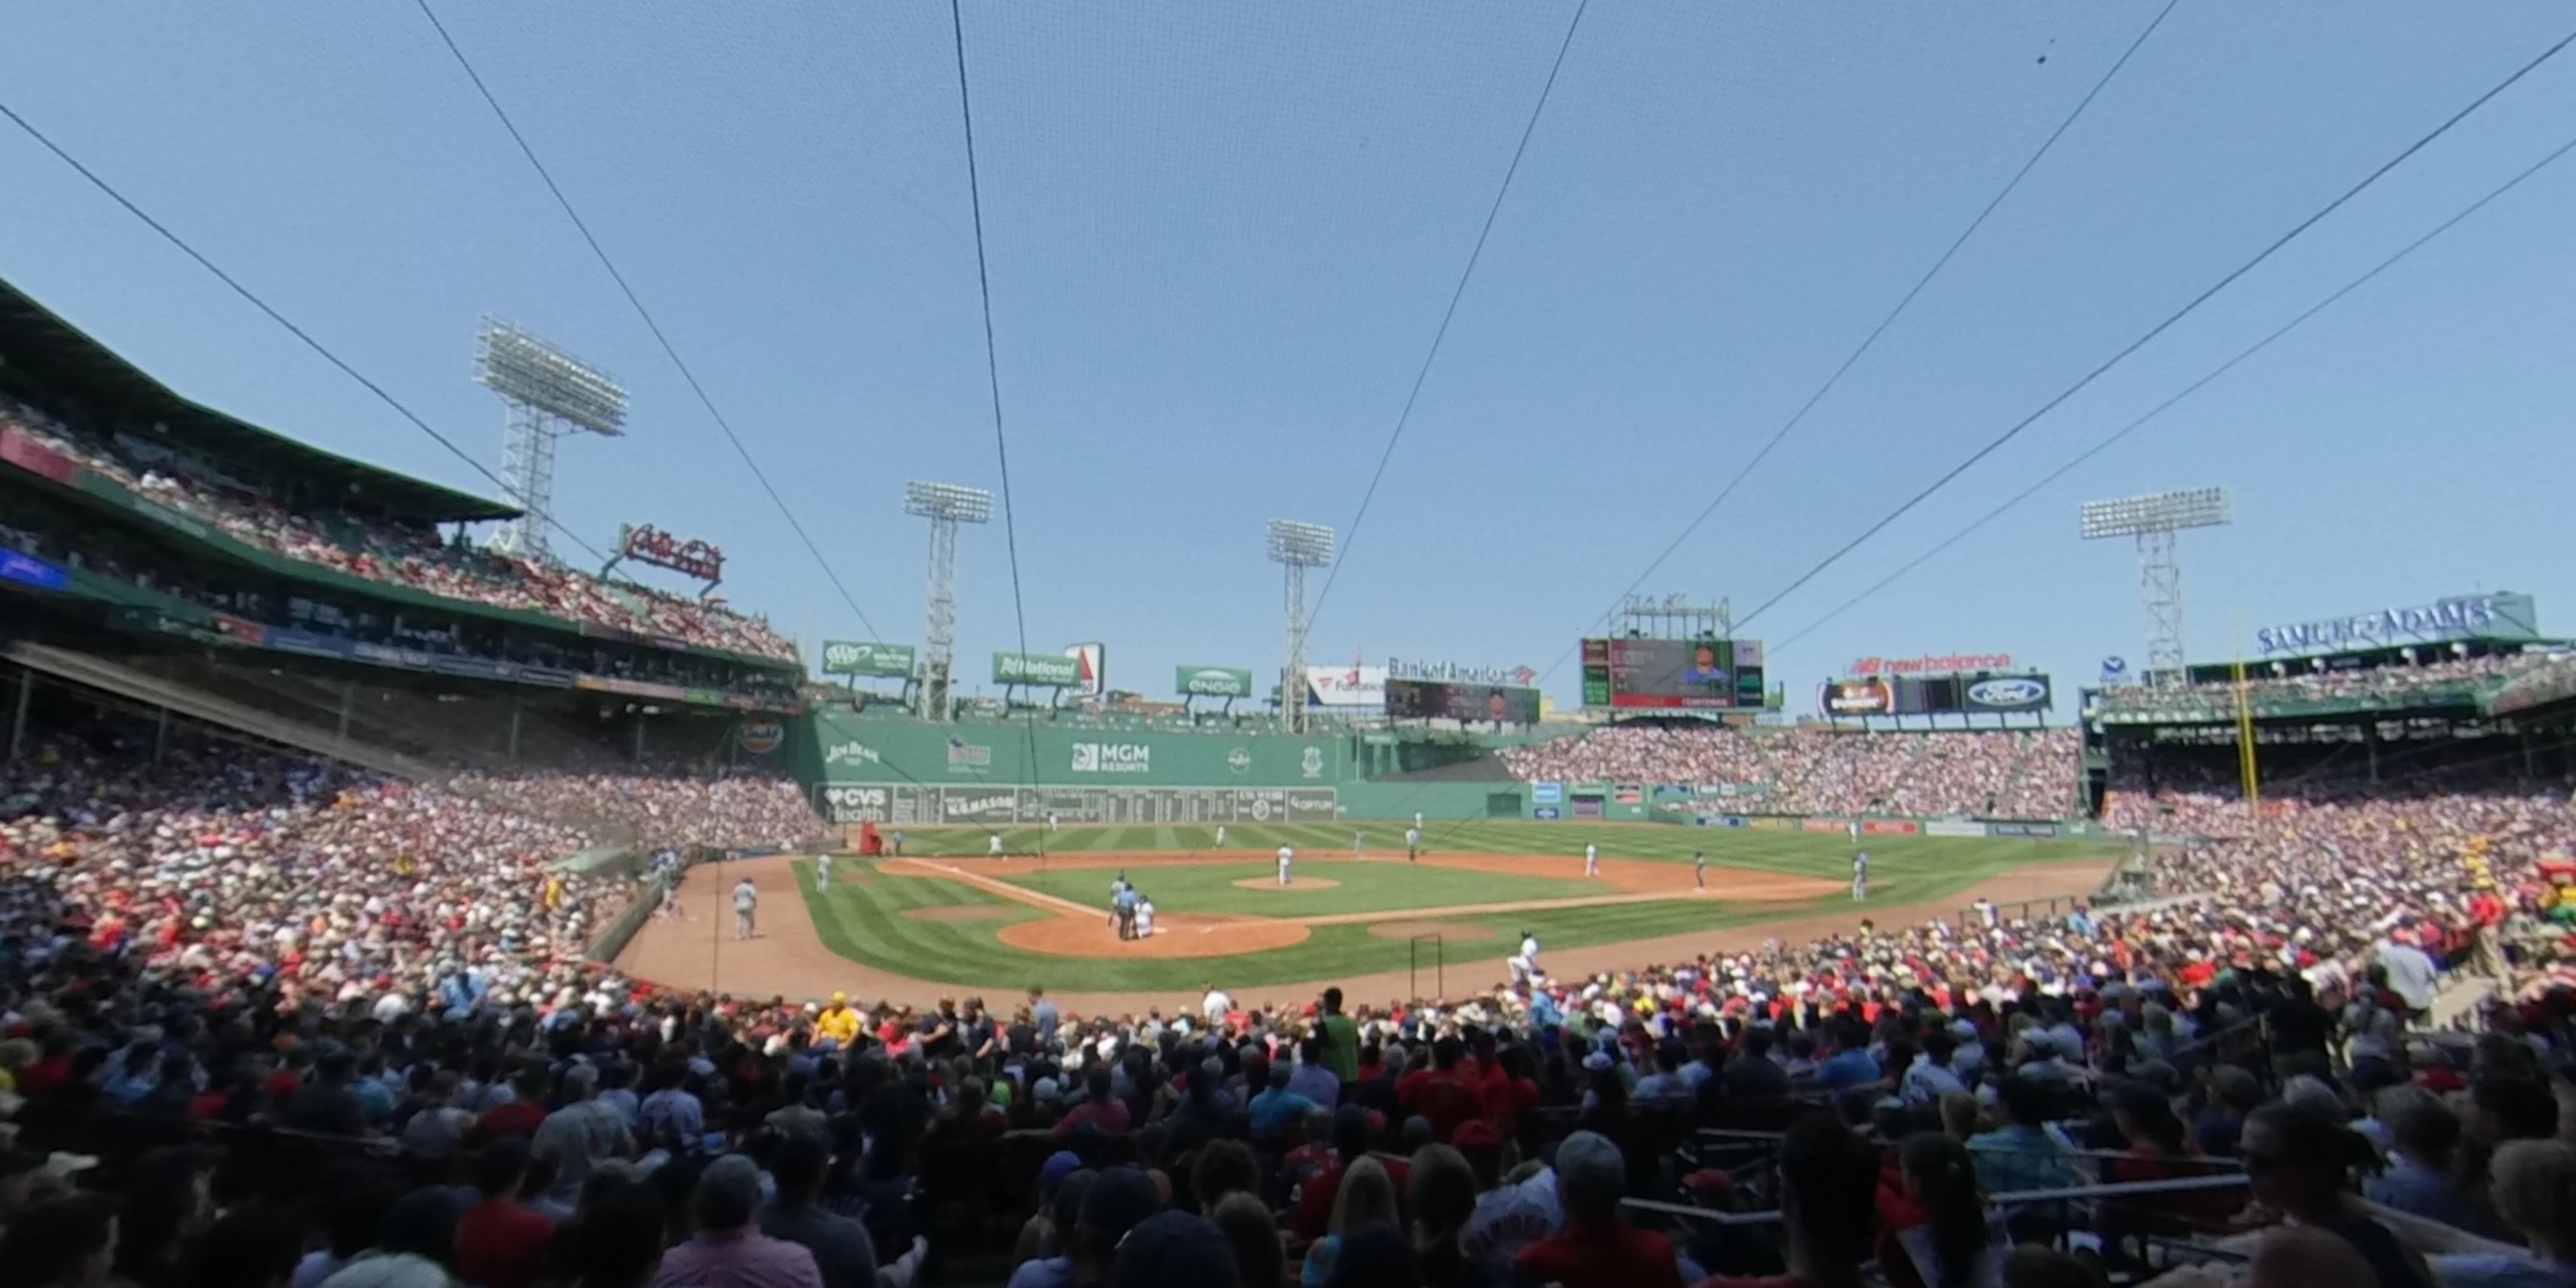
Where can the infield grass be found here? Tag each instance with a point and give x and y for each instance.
(864, 921)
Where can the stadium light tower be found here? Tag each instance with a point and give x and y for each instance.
(946, 505)
(1297, 547)
(549, 393)
(2154, 519)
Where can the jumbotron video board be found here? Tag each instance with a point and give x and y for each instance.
(1648, 675)
(1466, 703)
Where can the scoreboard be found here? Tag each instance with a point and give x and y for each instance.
(1451, 700)
(1647, 675)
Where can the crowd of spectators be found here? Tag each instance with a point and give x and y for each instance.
(2395, 685)
(726, 810)
(2021, 773)
(406, 555)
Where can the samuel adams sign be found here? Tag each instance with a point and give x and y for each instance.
(2502, 615)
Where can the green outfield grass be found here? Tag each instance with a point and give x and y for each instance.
(864, 921)
(1365, 887)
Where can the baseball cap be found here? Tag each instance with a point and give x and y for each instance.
(1119, 1201)
(1175, 1248)
(1590, 1172)
(1059, 1165)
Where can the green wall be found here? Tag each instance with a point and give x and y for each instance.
(839, 748)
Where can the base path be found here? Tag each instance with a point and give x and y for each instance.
(698, 951)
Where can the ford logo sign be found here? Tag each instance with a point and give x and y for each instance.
(2010, 691)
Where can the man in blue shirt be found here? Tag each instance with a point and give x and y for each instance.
(1851, 1065)
(1277, 1109)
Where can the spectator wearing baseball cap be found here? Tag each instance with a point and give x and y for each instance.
(1175, 1248)
(1119, 1200)
(1597, 1249)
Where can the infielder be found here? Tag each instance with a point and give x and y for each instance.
(1591, 859)
(1412, 844)
(1699, 868)
(1860, 876)
(745, 898)
(1524, 965)
(1220, 836)
(1359, 844)
(822, 874)
(1855, 831)
(1287, 860)
(1050, 820)
(993, 847)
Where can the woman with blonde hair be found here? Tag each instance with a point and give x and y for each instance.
(2535, 1191)
(1441, 1188)
(1366, 1197)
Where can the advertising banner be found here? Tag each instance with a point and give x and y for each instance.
(1465, 703)
(2004, 694)
(1887, 827)
(288, 640)
(1771, 824)
(1869, 697)
(1212, 681)
(860, 657)
(1346, 686)
(19, 448)
(994, 806)
(2497, 615)
(1587, 807)
(1547, 793)
(28, 570)
(1719, 820)
(1953, 827)
(1041, 670)
(1090, 668)
(1931, 664)
(1547, 813)
(1827, 826)
(759, 737)
(2036, 830)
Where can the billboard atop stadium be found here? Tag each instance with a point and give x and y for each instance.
(1975, 693)
(1346, 687)
(1090, 669)
(1465, 703)
(1212, 681)
(860, 657)
(1040, 670)
(2496, 615)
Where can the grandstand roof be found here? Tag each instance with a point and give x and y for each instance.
(70, 359)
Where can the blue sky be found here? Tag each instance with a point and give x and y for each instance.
(1220, 238)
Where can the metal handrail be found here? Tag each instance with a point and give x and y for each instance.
(2014, 1198)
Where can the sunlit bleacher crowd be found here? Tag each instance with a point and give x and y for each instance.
(2298, 682)
(2008, 774)
(217, 965)
(415, 557)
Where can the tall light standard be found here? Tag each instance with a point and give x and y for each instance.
(946, 505)
(2154, 519)
(1297, 547)
(549, 394)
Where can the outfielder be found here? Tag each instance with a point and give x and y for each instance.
(1220, 836)
(1359, 844)
(1412, 844)
(993, 847)
(822, 874)
(1287, 860)
(1860, 876)
(745, 898)
(1591, 859)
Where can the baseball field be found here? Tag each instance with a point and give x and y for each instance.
(946, 919)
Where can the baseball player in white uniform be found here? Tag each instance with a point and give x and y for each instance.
(1524, 964)
(1359, 845)
(1412, 844)
(993, 846)
(1287, 860)
(1144, 917)
(745, 898)
(1591, 859)
(822, 874)
(1220, 836)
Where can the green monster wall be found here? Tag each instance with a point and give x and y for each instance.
(832, 748)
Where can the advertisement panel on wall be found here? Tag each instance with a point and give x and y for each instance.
(1953, 827)
(842, 747)
(861, 657)
(2503, 615)
(1465, 703)
(1934, 695)
(1039, 670)
(2038, 830)
(28, 570)
(983, 805)
(1090, 668)
(1212, 681)
(1346, 687)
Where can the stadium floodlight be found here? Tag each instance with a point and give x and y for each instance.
(946, 505)
(549, 393)
(2153, 520)
(1296, 547)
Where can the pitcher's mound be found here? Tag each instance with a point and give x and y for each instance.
(1272, 884)
(962, 912)
(1458, 930)
(1175, 935)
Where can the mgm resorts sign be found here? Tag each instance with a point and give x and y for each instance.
(2502, 615)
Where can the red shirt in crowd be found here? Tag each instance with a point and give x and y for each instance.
(501, 1245)
(1611, 1255)
(517, 1118)
(1313, 1215)
(1110, 1116)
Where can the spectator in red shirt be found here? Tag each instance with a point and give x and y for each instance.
(1099, 1109)
(521, 1116)
(500, 1244)
(1442, 1093)
(1596, 1249)
(1828, 1203)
